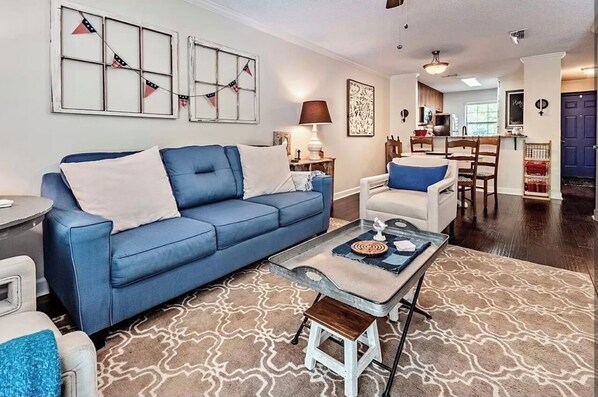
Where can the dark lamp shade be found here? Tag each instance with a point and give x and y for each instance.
(315, 112)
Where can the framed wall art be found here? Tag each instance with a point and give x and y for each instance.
(223, 84)
(360, 109)
(514, 108)
(282, 138)
(107, 65)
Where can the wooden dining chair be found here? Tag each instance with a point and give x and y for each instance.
(421, 141)
(393, 148)
(489, 153)
(467, 174)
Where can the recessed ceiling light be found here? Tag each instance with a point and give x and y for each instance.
(472, 82)
(591, 71)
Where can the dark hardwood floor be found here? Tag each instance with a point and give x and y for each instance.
(556, 233)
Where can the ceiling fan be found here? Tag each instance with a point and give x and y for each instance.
(394, 3)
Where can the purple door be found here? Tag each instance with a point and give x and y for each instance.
(578, 134)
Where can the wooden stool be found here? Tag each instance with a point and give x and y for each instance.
(349, 325)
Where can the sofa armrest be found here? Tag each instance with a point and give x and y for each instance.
(323, 184)
(368, 187)
(79, 365)
(17, 279)
(77, 265)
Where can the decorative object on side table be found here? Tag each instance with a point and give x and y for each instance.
(514, 109)
(282, 138)
(360, 109)
(314, 113)
(369, 248)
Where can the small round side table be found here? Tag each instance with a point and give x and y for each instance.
(25, 213)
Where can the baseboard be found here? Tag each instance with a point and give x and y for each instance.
(346, 193)
(510, 191)
(41, 286)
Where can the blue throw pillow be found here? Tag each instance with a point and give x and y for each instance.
(409, 177)
(30, 366)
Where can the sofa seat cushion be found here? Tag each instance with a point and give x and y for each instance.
(402, 203)
(235, 220)
(157, 247)
(293, 206)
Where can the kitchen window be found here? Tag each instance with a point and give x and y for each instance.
(481, 118)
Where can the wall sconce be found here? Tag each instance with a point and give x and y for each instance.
(541, 104)
(404, 114)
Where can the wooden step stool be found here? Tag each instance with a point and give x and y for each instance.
(349, 325)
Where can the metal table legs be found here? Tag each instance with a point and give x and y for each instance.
(295, 339)
(395, 363)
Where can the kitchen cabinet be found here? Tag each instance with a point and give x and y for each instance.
(430, 97)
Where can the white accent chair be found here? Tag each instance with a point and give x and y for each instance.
(18, 318)
(432, 211)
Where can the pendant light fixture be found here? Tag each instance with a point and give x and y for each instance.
(436, 67)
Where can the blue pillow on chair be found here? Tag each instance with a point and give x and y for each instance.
(408, 177)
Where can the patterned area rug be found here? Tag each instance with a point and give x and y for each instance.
(500, 327)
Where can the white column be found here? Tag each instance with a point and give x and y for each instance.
(542, 80)
(403, 95)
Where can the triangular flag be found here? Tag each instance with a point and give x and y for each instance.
(234, 86)
(84, 27)
(246, 69)
(118, 62)
(211, 97)
(149, 88)
(183, 100)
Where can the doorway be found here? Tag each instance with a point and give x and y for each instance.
(578, 136)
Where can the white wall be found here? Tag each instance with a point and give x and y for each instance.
(403, 95)
(454, 102)
(510, 172)
(34, 140)
(588, 84)
(542, 79)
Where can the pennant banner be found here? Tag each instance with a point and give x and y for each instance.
(234, 86)
(118, 62)
(247, 69)
(211, 97)
(84, 27)
(149, 88)
(183, 100)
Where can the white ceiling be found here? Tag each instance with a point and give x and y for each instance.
(472, 35)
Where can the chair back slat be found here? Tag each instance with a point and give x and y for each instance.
(393, 148)
(421, 141)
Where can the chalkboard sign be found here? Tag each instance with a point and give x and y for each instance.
(514, 109)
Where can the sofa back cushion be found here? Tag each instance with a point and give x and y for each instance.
(234, 159)
(199, 175)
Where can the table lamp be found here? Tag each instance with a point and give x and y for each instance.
(314, 113)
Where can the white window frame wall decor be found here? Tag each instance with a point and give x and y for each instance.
(57, 59)
(195, 95)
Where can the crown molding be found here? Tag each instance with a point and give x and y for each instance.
(553, 55)
(252, 23)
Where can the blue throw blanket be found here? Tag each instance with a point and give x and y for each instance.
(393, 260)
(30, 366)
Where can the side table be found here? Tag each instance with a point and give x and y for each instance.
(325, 164)
(25, 213)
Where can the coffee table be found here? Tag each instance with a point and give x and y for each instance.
(368, 288)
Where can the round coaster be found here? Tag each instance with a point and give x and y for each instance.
(369, 248)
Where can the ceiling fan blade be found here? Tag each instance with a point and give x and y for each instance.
(394, 3)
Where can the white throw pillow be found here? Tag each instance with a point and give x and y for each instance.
(130, 191)
(265, 170)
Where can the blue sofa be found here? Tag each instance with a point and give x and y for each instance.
(103, 279)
